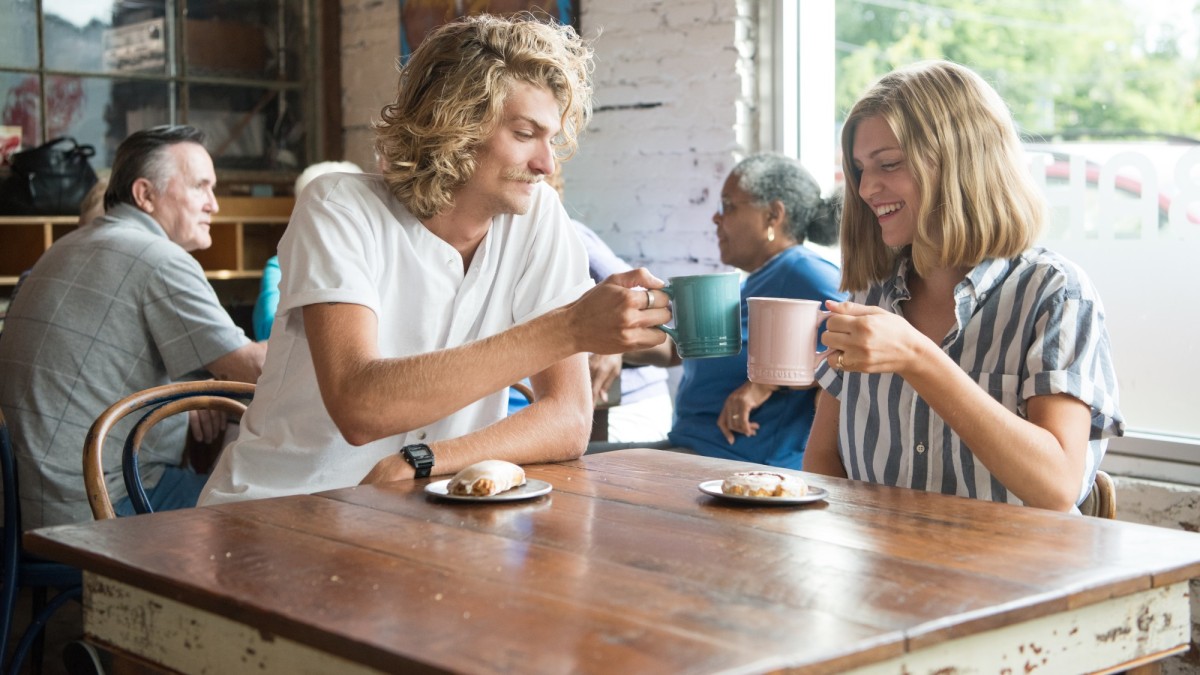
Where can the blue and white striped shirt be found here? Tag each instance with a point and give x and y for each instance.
(1029, 326)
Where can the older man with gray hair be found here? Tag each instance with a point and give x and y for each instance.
(112, 308)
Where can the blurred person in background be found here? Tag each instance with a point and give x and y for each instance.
(268, 294)
(770, 205)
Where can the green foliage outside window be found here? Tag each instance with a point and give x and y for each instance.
(1068, 69)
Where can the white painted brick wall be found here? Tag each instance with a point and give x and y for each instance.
(670, 81)
(370, 46)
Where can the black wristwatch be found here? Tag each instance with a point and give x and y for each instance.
(421, 458)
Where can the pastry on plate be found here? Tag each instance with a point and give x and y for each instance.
(486, 478)
(764, 484)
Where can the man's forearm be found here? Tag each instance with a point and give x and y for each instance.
(553, 428)
(243, 364)
(380, 397)
(370, 397)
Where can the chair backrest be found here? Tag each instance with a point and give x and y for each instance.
(158, 403)
(524, 390)
(1102, 500)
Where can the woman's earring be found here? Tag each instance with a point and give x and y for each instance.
(770, 234)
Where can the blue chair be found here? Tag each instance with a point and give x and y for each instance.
(25, 570)
(520, 395)
(155, 404)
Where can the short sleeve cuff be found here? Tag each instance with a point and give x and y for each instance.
(829, 378)
(1106, 419)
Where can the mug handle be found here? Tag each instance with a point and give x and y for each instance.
(667, 329)
(822, 355)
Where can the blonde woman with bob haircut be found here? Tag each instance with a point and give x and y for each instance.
(410, 301)
(967, 361)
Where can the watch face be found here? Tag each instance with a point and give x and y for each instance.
(418, 452)
(420, 457)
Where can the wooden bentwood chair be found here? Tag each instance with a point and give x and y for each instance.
(154, 405)
(1101, 502)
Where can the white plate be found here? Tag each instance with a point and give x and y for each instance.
(713, 487)
(532, 488)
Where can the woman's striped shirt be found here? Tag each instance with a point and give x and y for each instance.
(1029, 326)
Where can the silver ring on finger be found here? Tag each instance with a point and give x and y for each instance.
(649, 299)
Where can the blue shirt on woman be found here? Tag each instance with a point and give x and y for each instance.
(785, 418)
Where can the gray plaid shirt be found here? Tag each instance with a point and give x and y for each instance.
(110, 309)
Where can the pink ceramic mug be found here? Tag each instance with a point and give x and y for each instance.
(783, 341)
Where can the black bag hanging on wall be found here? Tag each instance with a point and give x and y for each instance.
(49, 180)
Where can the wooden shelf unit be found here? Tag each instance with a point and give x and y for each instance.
(245, 233)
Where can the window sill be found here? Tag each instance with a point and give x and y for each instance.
(1171, 459)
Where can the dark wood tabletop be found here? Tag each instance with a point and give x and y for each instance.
(626, 567)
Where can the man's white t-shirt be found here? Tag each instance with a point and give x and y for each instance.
(351, 241)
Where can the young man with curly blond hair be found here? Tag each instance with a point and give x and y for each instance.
(410, 301)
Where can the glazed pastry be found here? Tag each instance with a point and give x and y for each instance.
(487, 478)
(764, 484)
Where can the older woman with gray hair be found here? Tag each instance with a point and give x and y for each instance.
(770, 205)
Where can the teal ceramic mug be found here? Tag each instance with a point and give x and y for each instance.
(707, 311)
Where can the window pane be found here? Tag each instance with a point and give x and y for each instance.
(250, 127)
(254, 39)
(74, 34)
(110, 110)
(95, 111)
(258, 51)
(18, 49)
(138, 46)
(106, 36)
(22, 106)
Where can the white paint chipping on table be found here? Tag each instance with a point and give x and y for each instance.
(1088, 639)
(189, 640)
(1097, 637)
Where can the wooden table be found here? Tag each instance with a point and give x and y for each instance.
(627, 568)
